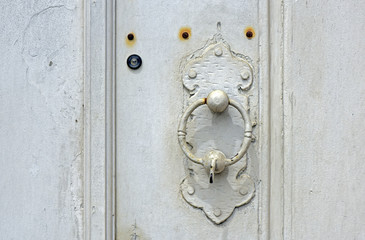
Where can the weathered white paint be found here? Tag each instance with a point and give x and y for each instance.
(56, 151)
(56, 177)
(324, 134)
(275, 115)
(41, 120)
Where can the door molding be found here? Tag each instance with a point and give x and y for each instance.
(99, 125)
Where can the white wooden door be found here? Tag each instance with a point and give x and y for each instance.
(302, 84)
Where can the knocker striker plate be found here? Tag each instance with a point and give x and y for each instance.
(217, 184)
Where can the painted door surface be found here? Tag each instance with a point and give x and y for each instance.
(305, 103)
(188, 49)
(295, 68)
(324, 112)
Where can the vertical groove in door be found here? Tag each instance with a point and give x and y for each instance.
(110, 121)
(276, 119)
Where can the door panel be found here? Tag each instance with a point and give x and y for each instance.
(149, 103)
(324, 120)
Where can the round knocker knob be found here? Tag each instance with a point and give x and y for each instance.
(217, 101)
(215, 161)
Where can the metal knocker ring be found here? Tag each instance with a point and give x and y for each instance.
(215, 161)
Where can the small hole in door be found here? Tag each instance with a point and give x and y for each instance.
(185, 33)
(250, 32)
(130, 37)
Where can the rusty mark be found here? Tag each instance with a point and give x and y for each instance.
(130, 39)
(250, 32)
(185, 33)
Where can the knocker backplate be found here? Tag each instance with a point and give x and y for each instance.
(216, 66)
